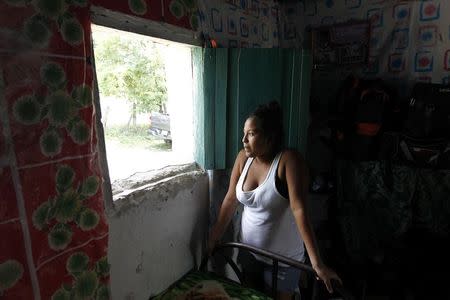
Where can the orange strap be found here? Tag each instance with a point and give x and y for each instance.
(368, 129)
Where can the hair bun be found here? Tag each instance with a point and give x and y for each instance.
(274, 108)
(270, 117)
(274, 104)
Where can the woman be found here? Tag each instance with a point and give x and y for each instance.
(272, 185)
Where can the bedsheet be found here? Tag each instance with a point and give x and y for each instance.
(207, 285)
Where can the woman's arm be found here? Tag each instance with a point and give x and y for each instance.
(296, 175)
(229, 204)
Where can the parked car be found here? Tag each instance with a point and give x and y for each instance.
(160, 126)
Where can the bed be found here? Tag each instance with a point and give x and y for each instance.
(202, 284)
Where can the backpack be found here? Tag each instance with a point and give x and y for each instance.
(364, 107)
(423, 141)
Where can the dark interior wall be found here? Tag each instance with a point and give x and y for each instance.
(388, 219)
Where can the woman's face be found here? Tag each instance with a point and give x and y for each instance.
(255, 143)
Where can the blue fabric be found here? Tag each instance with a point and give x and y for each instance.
(258, 274)
(288, 278)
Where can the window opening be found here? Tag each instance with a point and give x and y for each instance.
(145, 89)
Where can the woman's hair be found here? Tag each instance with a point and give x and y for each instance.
(270, 120)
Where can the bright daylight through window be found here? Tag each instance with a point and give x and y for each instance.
(145, 88)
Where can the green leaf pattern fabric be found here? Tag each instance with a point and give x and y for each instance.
(379, 203)
(51, 202)
(233, 289)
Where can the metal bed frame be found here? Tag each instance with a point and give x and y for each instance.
(276, 259)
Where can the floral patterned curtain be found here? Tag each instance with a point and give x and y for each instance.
(51, 205)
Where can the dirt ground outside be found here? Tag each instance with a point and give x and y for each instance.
(124, 161)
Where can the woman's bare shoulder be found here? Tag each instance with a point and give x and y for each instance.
(292, 156)
(241, 158)
(294, 165)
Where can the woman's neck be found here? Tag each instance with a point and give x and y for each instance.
(266, 158)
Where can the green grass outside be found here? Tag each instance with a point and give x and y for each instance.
(135, 136)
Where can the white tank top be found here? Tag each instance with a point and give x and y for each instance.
(267, 219)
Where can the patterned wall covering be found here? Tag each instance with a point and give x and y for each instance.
(241, 24)
(410, 40)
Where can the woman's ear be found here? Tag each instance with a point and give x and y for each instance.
(270, 142)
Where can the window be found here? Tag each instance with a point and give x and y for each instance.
(145, 90)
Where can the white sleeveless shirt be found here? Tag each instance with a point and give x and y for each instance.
(267, 220)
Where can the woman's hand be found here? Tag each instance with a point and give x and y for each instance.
(326, 275)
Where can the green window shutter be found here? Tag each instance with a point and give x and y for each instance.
(230, 83)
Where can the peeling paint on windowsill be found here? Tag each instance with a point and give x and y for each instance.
(140, 179)
(159, 188)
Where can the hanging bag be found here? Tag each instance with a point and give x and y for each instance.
(363, 111)
(428, 114)
(417, 152)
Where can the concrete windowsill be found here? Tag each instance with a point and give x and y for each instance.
(130, 192)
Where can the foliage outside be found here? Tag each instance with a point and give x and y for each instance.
(131, 68)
